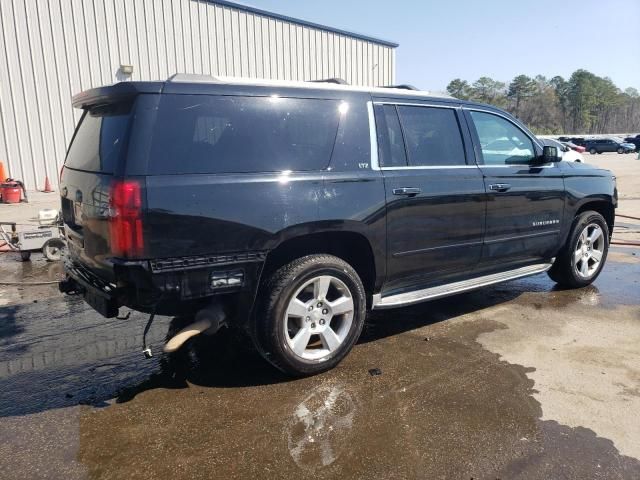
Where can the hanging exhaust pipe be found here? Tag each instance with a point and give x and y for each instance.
(208, 320)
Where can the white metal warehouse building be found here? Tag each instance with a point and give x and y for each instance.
(52, 49)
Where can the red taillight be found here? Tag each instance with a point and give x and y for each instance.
(126, 219)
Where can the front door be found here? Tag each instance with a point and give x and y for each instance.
(525, 201)
(435, 199)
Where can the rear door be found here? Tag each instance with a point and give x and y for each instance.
(435, 198)
(525, 202)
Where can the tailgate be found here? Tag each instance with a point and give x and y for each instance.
(94, 159)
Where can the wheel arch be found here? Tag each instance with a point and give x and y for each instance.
(604, 207)
(351, 246)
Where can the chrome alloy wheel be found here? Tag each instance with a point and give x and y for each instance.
(319, 317)
(589, 250)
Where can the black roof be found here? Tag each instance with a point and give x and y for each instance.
(204, 84)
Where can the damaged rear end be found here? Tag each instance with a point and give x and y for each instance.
(120, 252)
(102, 207)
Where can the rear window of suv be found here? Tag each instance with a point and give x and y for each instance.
(99, 139)
(232, 134)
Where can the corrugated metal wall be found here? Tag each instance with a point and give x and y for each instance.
(53, 49)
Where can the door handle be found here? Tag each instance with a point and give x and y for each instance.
(407, 191)
(499, 187)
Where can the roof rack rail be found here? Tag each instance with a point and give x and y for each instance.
(337, 81)
(192, 78)
(404, 86)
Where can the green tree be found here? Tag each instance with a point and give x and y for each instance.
(542, 110)
(582, 100)
(632, 92)
(583, 104)
(459, 89)
(488, 90)
(561, 86)
(520, 88)
(592, 102)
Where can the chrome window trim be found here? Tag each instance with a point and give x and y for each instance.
(430, 167)
(373, 137)
(424, 167)
(525, 165)
(408, 104)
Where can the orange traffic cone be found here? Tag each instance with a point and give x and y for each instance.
(47, 185)
(3, 173)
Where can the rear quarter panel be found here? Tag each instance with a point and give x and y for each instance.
(204, 214)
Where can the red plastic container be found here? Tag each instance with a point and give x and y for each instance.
(10, 192)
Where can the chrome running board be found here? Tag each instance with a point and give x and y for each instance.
(417, 296)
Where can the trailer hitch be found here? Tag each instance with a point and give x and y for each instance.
(69, 286)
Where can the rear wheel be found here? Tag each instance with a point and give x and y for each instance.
(25, 256)
(582, 258)
(310, 314)
(593, 151)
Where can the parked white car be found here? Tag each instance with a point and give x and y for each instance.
(568, 155)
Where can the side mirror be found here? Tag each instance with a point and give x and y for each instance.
(549, 155)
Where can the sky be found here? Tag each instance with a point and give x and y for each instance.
(446, 39)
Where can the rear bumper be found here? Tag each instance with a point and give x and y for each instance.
(100, 295)
(168, 287)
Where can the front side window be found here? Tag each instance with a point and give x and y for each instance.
(501, 142)
(229, 134)
(432, 136)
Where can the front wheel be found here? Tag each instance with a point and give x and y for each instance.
(310, 314)
(581, 260)
(621, 150)
(593, 151)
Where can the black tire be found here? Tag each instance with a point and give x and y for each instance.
(621, 150)
(25, 256)
(563, 271)
(593, 151)
(268, 321)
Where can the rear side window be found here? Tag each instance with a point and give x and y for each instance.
(229, 134)
(432, 136)
(99, 139)
(390, 141)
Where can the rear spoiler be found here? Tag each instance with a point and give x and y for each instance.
(114, 93)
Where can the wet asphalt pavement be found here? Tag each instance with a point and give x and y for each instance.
(515, 381)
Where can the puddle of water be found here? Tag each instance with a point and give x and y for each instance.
(443, 408)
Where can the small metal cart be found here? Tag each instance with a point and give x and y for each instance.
(47, 238)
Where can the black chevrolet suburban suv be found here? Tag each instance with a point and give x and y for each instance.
(288, 209)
